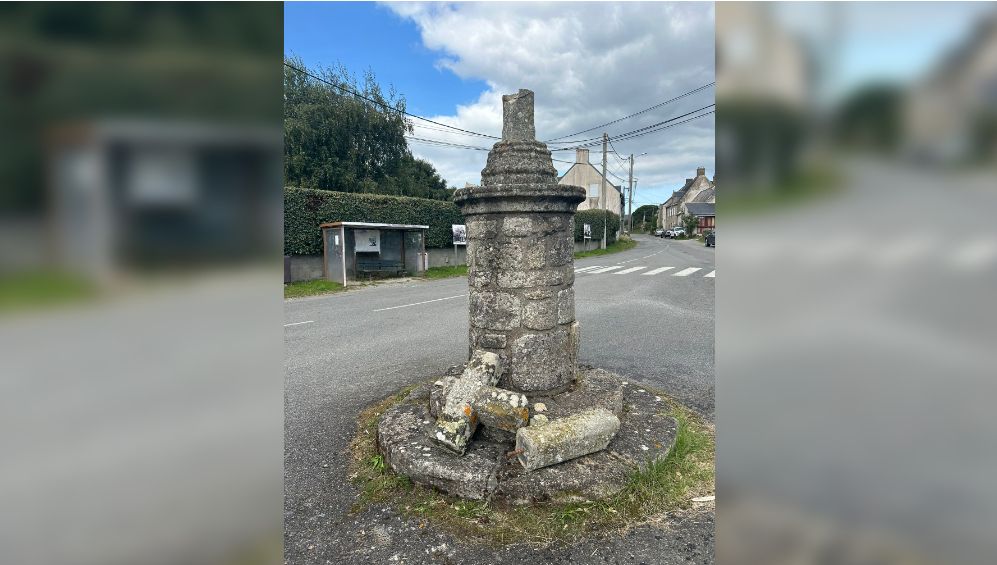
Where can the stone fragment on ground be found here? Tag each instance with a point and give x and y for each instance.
(566, 438)
(486, 471)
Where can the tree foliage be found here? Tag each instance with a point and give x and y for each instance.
(597, 219)
(690, 223)
(645, 217)
(334, 140)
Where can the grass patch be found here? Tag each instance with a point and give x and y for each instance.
(615, 247)
(665, 485)
(805, 186)
(311, 288)
(42, 289)
(446, 272)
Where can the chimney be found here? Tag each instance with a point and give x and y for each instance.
(581, 155)
(701, 172)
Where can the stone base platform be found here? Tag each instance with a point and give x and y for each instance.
(486, 472)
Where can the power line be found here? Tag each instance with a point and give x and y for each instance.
(705, 86)
(441, 143)
(593, 141)
(640, 132)
(382, 104)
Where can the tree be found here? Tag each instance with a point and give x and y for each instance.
(689, 222)
(335, 140)
(646, 214)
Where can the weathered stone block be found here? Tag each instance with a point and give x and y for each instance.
(541, 361)
(540, 314)
(502, 409)
(522, 253)
(483, 228)
(539, 293)
(566, 438)
(484, 367)
(492, 341)
(521, 225)
(495, 310)
(438, 395)
(454, 434)
(566, 306)
(527, 279)
(517, 116)
(560, 250)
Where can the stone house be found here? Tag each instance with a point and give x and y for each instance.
(584, 174)
(697, 189)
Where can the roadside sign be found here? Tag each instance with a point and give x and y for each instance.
(587, 231)
(459, 234)
(367, 241)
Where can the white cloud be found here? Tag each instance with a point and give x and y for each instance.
(588, 63)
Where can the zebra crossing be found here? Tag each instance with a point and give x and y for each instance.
(637, 270)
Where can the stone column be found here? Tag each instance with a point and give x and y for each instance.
(520, 243)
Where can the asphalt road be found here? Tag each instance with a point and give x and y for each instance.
(347, 350)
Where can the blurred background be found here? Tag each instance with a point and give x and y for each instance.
(856, 311)
(140, 301)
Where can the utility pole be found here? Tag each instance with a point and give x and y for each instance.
(630, 205)
(602, 193)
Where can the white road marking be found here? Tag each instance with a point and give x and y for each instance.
(644, 257)
(606, 269)
(711, 275)
(299, 323)
(583, 269)
(418, 303)
(687, 272)
(630, 270)
(658, 270)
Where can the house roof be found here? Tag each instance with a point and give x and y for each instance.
(616, 186)
(678, 194)
(706, 195)
(701, 208)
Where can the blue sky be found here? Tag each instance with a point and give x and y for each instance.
(588, 64)
(363, 35)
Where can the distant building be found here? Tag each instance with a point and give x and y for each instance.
(950, 115)
(699, 189)
(126, 193)
(584, 174)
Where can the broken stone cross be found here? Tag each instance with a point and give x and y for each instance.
(520, 231)
(460, 404)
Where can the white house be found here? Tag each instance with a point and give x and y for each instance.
(584, 174)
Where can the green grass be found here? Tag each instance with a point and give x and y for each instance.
(615, 247)
(805, 186)
(663, 486)
(40, 289)
(311, 288)
(446, 272)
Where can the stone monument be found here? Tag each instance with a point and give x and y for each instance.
(520, 419)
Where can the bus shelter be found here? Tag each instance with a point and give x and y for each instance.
(354, 251)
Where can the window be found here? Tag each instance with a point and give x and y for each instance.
(594, 190)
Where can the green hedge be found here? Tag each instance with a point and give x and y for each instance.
(305, 209)
(597, 219)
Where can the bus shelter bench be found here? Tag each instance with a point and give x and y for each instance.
(380, 266)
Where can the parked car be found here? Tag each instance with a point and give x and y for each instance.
(711, 238)
(675, 232)
(660, 232)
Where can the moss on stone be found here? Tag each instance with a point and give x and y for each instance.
(665, 485)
